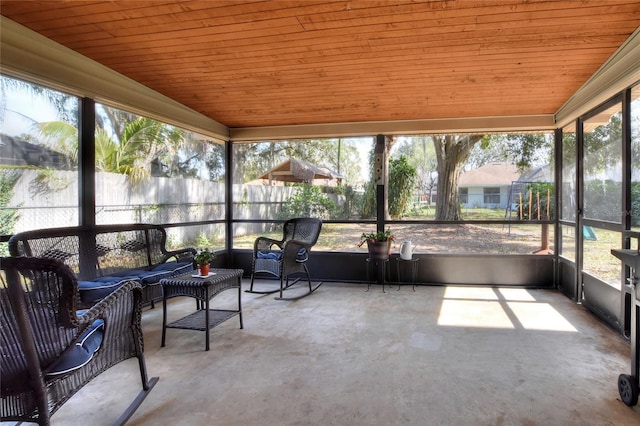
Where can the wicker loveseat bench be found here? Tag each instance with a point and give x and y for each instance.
(104, 257)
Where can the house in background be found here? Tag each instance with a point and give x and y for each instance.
(496, 185)
(16, 151)
(487, 186)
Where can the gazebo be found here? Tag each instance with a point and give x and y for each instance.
(293, 170)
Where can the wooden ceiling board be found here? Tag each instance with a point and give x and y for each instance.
(275, 63)
(434, 63)
(220, 34)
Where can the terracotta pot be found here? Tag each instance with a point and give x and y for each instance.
(378, 250)
(204, 269)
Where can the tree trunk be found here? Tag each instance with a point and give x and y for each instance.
(451, 153)
(390, 141)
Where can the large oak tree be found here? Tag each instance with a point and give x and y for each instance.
(452, 152)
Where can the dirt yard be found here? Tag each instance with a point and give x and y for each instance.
(466, 238)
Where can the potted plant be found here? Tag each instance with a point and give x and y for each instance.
(203, 259)
(378, 243)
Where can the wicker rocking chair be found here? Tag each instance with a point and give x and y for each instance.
(282, 258)
(50, 350)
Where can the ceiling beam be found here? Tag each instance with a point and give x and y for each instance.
(402, 127)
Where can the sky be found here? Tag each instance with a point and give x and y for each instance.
(19, 106)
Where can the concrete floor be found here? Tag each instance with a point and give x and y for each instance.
(343, 356)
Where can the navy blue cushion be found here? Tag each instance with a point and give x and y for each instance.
(273, 255)
(151, 277)
(176, 268)
(277, 255)
(126, 273)
(156, 273)
(302, 255)
(98, 289)
(82, 352)
(144, 276)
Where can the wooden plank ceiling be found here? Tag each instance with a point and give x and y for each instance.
(268, 63)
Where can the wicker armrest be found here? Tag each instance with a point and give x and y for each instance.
(266, 244)
(180, 254)
(122, 312)
(112, 306)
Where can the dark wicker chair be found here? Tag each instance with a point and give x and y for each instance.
(50, 350)
(282, 258)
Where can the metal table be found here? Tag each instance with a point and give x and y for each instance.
(203, 289)
(413, 264)
(380, 269)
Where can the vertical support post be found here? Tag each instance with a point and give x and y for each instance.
(87, 187)
(579, 243)
(380, 173)
(520, 206)
(557, 234)
(87, 162)
(544, 248)
(229, 201)
(548, 203)
(628, 305)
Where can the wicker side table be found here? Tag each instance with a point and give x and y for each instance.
(203, 289)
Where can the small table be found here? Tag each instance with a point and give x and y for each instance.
(413, 263)
(202, 289)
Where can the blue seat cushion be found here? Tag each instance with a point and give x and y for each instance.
(96, 290)
(176, 268)
(303, 255)
(145, 276)
(154, 274)
(272, 255)
(82, 352)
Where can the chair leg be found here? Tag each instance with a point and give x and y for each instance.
(311, 288)
(251, 290)
(44, 415)
(308, 278)
(251, 285)
(282, 284)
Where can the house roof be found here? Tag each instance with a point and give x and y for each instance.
(293, 170)
(493, 174)
(264, 64)
(18, 152)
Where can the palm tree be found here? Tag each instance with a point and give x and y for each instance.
(142, 141)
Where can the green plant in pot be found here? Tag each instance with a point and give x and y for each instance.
(378, 243)
(203, 259)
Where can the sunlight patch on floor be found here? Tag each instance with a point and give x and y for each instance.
(516, 294)
(473, 313)
(502, 308)
(467, 293)
(540, 316)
